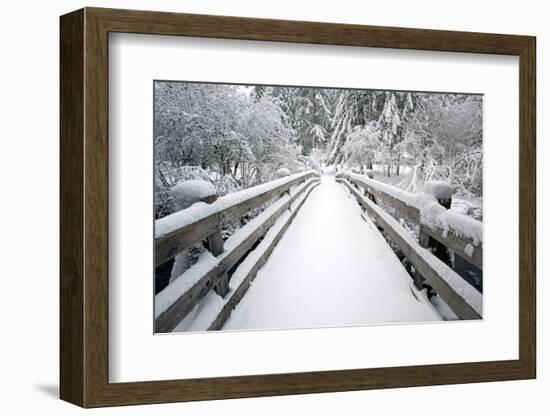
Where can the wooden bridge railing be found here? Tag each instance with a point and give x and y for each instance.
(460, 233)
(200, 222)
(448, 228)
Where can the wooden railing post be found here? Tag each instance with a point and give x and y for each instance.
(443, 194)
(215, 246)
(369, 195)
(163, 272)
(424, 241)
(214, 242)
(365, 190)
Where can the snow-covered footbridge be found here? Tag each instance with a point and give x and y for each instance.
(318, 254)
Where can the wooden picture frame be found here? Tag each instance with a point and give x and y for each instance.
(84, 207)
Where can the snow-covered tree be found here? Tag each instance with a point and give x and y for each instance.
(309, 111)
(270, 138)
(362, 146)
(444, 138)
(235, 135)
(353, 108)
(389, 125)
(239, 136)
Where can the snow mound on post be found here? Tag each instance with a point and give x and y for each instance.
(435, 216)
(439, 189)
(186, 193)
(282, 172)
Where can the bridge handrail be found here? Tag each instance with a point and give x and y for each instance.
(462, 298)
(175, 301)
(459, 232)
(176, 232)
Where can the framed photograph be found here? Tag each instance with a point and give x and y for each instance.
(255, 207)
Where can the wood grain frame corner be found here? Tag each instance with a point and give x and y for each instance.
(84, 207)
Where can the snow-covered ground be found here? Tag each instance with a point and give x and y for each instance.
(331, 268)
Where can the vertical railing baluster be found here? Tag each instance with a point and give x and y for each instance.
(215, 246)
(430, 243)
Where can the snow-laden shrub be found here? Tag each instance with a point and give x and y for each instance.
(186, 193)
(282, 172)
(361, 145)
(293, 165)
(164, 203)
(167, 176)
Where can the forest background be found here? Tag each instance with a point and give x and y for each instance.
(237, 136)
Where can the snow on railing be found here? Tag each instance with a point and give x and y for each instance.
(201, 210)
(408, 198)
(176, 232)
(434, 216)
(204, 221)
(462, 234)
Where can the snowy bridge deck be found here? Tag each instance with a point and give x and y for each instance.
(311, 258)
(331, 267)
